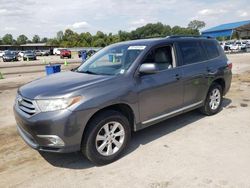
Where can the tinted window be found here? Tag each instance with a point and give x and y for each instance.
(212, 49)
(192, 52)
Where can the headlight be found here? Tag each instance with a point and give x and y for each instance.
(57, 104)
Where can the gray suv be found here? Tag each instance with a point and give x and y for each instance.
(124, 87)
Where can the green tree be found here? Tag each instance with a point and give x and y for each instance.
(59, 35)
(123, 35)
(22, 39)
(44, 40)
(7, 39)
(53, 42)
(99, 43)
(36, 39)
(100, 34)
(196, 24)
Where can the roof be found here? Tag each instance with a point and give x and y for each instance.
(228, 26)
(224, 30)
(153, 41)
(34, 44)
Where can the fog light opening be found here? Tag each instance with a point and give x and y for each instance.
(53, 140)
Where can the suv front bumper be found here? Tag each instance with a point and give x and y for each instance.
(58, 131)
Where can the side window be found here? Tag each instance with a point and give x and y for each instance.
(192, 52)
(162, 57)
(212, 49)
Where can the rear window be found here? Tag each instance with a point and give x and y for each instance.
(211, 48)
(192, 52)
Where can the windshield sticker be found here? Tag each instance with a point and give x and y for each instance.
(136, 47)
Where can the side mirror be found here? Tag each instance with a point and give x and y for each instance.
(148, 68)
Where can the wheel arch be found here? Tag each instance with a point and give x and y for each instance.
(221, 82)
(123, 108)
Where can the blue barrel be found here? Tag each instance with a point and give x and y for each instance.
(51, 69)
(84, 55)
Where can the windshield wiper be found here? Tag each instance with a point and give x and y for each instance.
(88, 72)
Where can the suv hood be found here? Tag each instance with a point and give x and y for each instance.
(60, 84)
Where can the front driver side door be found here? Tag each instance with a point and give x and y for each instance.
(160, 94)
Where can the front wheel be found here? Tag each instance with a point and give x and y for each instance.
(213, 100)
(106, 137)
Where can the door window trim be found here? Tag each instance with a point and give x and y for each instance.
(173, 52)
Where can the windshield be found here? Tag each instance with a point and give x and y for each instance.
(111, 60)
(9, 53)
(29, 52)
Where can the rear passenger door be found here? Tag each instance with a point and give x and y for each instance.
(194, 71)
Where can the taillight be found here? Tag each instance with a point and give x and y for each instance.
(229, 65)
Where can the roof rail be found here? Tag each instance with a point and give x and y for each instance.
(188, 36)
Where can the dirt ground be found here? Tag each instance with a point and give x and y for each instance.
(190, 150)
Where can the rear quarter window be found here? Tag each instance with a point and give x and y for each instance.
(192, 52)
(212, 49)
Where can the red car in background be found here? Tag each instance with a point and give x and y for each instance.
(65, 53)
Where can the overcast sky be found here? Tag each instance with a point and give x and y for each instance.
(46, 17)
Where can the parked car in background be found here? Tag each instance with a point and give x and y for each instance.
(1, 54)
(87, 110)
(9, 56)
(91, 52)
(38, 52)
(65, 53)
(29, 55)
(45, 53)
(20, 54)
(238, 46)
(228, 46)
(56, 51)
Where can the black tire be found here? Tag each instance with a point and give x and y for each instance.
(89, 149)
(70, 57)
(206, 109)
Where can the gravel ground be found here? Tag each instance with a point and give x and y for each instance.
(190, 150)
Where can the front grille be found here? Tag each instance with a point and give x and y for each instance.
(26, 105)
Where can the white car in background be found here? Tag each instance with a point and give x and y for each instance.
(1, 53)
(57, 51)
(20, 54)
(238, 45)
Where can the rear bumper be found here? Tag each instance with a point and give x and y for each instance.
(228, 79)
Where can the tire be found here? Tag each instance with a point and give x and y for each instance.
(95, 127)
(208, 108)
(70, 57)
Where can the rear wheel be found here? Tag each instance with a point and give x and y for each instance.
(106, 137)
(213, 100)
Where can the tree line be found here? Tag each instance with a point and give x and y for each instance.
(69, 38)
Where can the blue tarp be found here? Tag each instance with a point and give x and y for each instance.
(224, 30)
